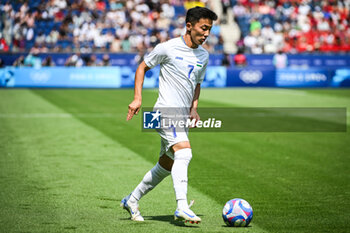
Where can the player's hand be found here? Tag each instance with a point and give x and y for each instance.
(194, 115)
(134, 108)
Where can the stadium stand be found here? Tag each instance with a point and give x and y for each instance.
(257, 27)
(91, 26)
(294, 26)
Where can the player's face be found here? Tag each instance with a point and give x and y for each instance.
(200, 30)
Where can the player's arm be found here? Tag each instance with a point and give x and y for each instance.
(135, 105)
(193, 111)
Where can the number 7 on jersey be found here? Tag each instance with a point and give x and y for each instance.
(191, 69)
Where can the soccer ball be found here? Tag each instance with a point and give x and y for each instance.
(237, 213)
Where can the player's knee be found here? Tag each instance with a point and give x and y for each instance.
(181, 145)
(166, 162)
(183, 154)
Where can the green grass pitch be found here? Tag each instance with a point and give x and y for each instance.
(67, 158)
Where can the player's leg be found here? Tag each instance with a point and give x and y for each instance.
(182, 158)
(166, 162)
(151, 179)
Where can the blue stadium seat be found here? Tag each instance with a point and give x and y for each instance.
(104, 31)
(29, 44)
(179, 10)
(267, 20)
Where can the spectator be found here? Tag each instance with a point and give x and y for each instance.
(2, 64)
(52, 38)
(33, 60)
(91, 60)
(226, 4)
(116, 45)
(323, 25)
(74, 60)
(267, 32)
(255, 27)
(132, 21)
(40, 38)
(48, 62)
(126, 45)
(269, 46)
(139, 57)
(193, 3)
(250, 42)
(105, 60)
(3, 45)
(294, 27)
(240, 60)
(239, 10)
(280, 60)
(226, 60)
(88, 26)
(240, 43)
(19, 62)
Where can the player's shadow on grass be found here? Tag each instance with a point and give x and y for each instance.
(170, 219)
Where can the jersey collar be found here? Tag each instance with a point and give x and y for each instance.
(183, 40)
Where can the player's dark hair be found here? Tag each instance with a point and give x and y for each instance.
(195, 14)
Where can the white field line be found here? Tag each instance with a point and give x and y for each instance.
(112, 115)
(290, 92)
(58, 115)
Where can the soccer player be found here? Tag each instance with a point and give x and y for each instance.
(183, 62)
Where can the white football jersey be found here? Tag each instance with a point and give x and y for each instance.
(181, 69)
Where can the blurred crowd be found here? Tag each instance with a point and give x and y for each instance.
(74, 60)
(293, 26)
(91, 25)
(86, 26)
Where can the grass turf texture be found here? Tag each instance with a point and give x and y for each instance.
(68, 157)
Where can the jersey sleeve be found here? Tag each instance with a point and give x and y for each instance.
(156, 56)
(201, 73)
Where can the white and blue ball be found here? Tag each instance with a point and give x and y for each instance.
(237, 213)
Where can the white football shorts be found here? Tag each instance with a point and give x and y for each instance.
(170, 137)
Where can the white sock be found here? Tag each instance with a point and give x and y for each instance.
(182, 204)
(149, 181)
(182, 159)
